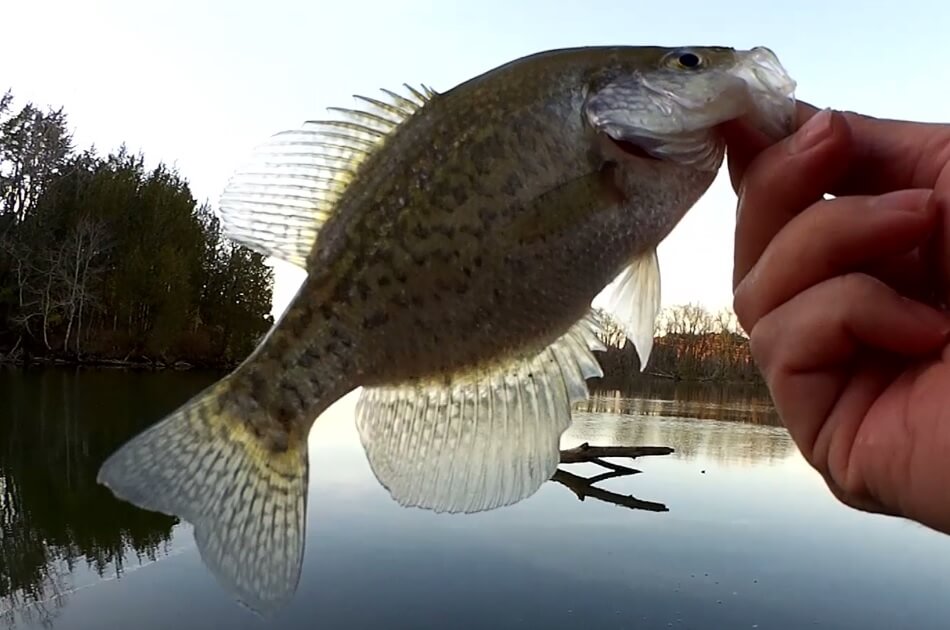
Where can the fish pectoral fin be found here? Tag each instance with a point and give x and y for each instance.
(635, 302)
(566, 207)
(278, 201)
(247, 503)
(481, 440)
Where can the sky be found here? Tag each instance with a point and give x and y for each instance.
(199, 84)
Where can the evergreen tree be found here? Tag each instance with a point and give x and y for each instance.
(101, 257)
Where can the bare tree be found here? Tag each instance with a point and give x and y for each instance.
(726, 322)
(40, 287)
(50, 288)
(86, 241)
(611, 334)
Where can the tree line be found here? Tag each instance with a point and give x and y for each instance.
(102, 258)
(691, 343)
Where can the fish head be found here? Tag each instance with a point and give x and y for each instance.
(666, 103)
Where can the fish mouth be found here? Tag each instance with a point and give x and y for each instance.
(672, 117)
(631, 149)
(771, 92)
(701, 149)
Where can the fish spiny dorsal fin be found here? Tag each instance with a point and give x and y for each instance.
(277, 202)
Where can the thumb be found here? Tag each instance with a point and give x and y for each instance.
(744, 143)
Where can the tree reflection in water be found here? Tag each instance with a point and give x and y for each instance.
(58, 425)
(55, 431)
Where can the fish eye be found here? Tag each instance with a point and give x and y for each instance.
(689, 60)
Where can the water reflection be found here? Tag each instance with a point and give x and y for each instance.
(713, 401)
(587, 488)
(55, 430)
(57, 425)
(731, 529)
(741, 424)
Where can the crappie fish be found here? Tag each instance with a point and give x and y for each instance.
(454, 243)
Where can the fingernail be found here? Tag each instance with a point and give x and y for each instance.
(941, 247)
(914, 201)
(816, 129)
(928, 316)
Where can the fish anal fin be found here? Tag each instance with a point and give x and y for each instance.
(482, 439)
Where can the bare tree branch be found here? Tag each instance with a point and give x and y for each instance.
(586, 453)
(584, 487)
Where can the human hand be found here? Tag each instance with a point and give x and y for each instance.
(842, 299)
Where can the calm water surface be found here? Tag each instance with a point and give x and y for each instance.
(731, 531)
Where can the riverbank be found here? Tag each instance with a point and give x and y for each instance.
(132, 363)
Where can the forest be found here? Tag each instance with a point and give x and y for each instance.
(105, 260)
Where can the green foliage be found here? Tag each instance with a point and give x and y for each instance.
(101, 257)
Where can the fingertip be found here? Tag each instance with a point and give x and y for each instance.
(920, 203)
(803, 112)
(930, 319)
(828, 323)
(901, 325)
(934, 207)
(815, 130)
(830, 239)
(826, 130)
(744, 142)
(781, 181)
(938, 249)
(840, 129)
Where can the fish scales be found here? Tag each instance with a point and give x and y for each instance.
(453, 243)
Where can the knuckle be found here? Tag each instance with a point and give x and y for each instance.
(758, 177)
(768, 169)
(762, 343)
(742, 306)
(855, 288)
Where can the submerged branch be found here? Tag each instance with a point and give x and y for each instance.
(587, 453)
(584, 487)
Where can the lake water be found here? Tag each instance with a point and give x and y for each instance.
(731, 531)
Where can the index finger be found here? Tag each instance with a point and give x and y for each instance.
(887, 154)
(786, 179)
(745, 143)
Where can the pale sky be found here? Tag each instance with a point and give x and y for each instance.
(198, 84)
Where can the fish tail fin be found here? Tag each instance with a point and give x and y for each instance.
(246, 499)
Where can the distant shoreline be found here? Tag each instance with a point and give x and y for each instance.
(140, 363)
(607, 383)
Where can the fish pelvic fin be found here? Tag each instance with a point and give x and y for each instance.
(246, 501)
(480, 440)
(635, 302)
(278, 201)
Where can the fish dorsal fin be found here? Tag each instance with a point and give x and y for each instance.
(635, 302)
(480, 440)
(276, 203)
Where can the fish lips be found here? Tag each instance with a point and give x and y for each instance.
(771, 93)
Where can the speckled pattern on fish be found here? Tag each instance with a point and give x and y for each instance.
(453, 244)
